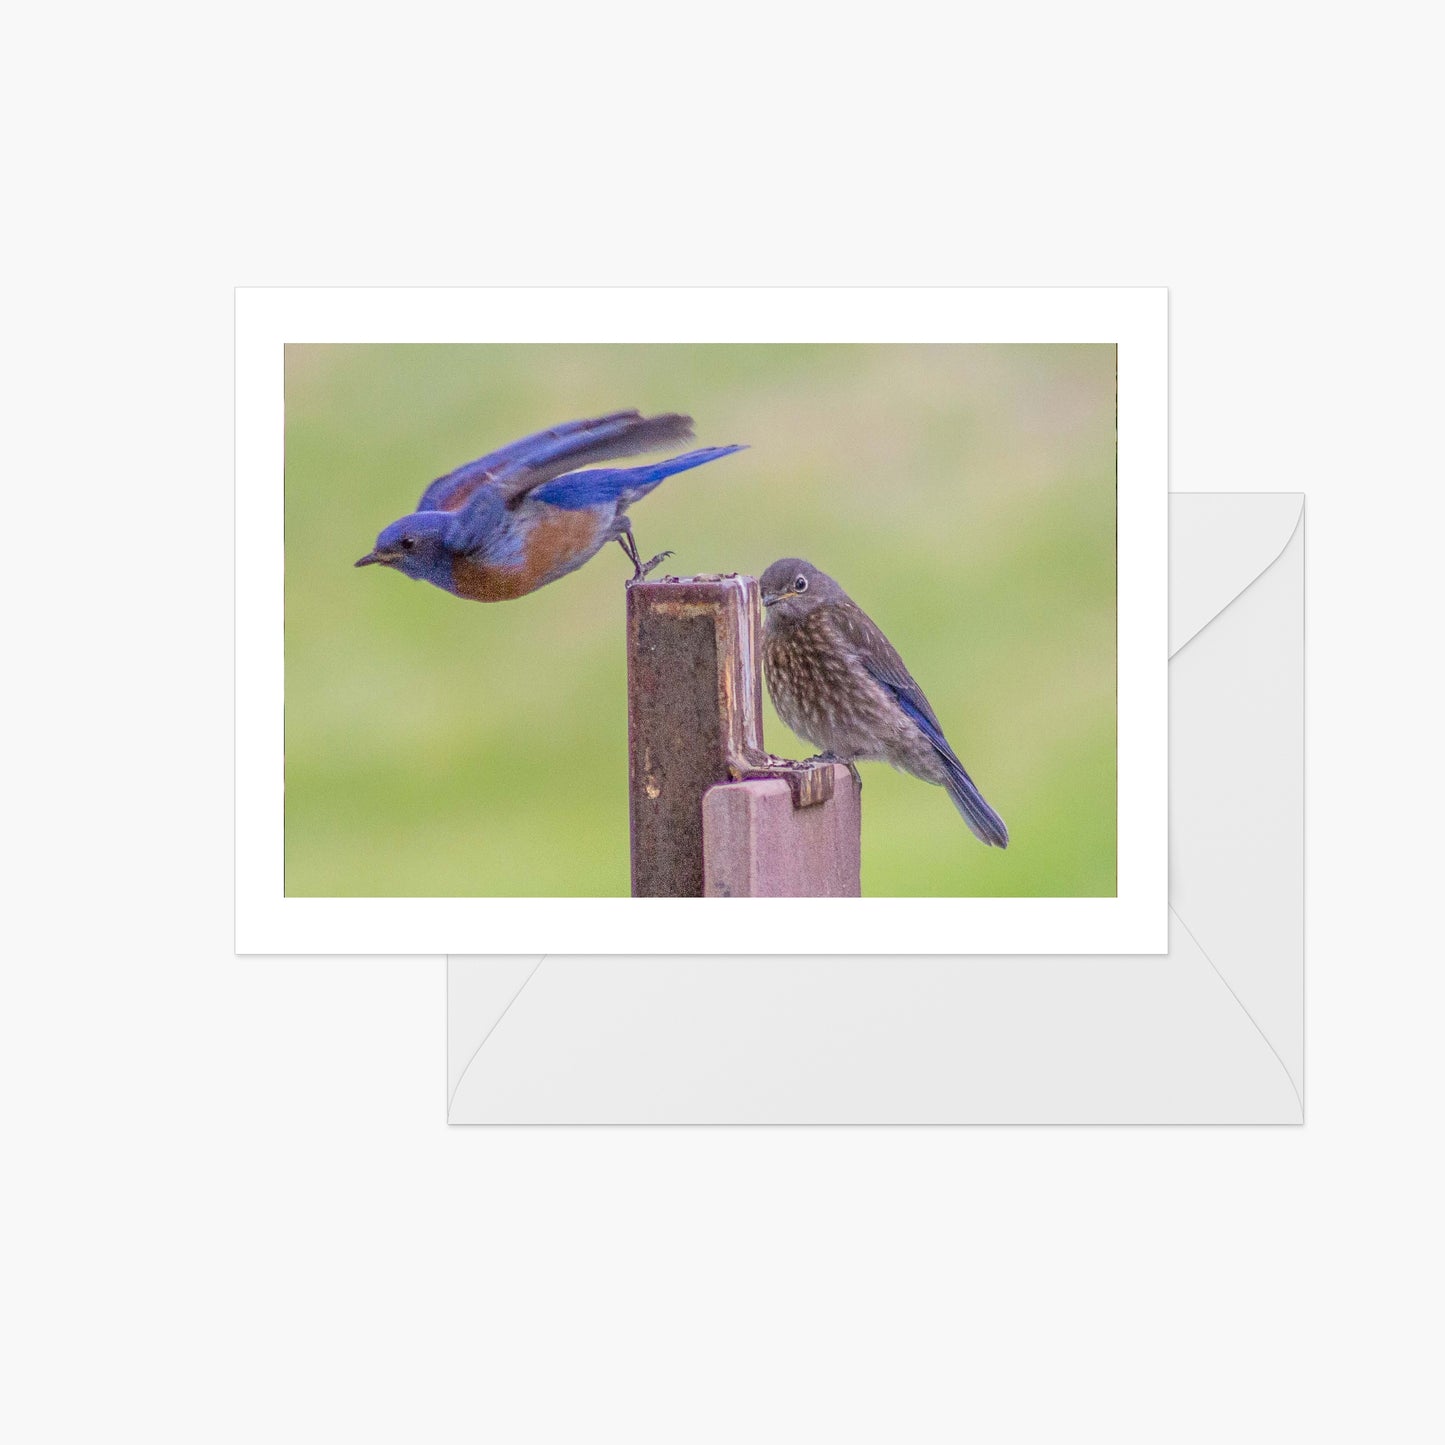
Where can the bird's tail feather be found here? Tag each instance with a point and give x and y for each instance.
(625, 484)
(641, 480)
(983, 822)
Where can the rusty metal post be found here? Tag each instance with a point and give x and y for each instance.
(694, 720)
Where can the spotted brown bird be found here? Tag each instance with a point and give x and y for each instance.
(837, 681)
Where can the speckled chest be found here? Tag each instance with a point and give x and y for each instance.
(817, 686)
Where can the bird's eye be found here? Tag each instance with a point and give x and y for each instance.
(407, 543)
(801, 585)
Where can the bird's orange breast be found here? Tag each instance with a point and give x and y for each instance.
(556, 542)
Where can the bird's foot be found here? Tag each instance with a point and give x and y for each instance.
(646, 569)
(640, 569)
(832, 757)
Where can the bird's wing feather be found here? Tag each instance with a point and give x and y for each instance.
(880, 660)
(448, 493)
(515, 469)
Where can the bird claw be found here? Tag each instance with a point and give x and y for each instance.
(640, 569)
(647, 568)
(831, 757)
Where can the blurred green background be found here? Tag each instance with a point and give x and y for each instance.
(963, 495)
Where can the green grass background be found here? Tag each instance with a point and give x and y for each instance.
(963, 495)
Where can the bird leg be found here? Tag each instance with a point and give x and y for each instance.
(640, 569)
(628, 543)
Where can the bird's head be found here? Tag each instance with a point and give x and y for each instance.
(792, 588)
(418, 545)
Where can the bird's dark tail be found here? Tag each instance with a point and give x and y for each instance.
(983, 822)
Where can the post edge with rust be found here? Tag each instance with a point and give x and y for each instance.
(694, 719)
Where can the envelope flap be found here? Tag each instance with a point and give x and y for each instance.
(477, 1001)
(1220, 543)
(859, 1040)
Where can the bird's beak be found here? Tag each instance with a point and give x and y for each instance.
(773, 598)
(375, 559)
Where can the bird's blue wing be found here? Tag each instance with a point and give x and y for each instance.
(576, 491)
(448, 493)
(879, 658)
(891, 672)
(517, 468)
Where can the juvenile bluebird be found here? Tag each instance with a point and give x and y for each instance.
(838, 682)
(519, 518)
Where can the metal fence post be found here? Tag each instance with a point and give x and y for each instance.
(694, 713)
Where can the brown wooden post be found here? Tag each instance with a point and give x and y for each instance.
(694, 722)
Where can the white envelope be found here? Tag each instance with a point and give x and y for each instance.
(1211, 1032)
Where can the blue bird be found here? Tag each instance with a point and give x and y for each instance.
(837, 681)
(521, 517)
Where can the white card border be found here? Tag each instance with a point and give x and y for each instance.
(1136, 921)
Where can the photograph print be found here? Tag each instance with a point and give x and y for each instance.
(932, 530)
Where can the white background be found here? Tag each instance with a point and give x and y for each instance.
(233, 1211)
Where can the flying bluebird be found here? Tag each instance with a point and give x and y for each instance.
(838, 682)
(519, 518)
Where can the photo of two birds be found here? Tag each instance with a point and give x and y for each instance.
(933, 533)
